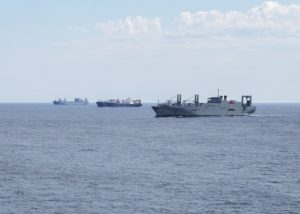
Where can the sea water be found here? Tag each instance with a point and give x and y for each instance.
(84, 159)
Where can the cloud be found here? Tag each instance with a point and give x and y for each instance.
(268, 18)
(130, 25)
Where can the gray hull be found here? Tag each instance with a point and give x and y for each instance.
(69, 103)
(202, 110)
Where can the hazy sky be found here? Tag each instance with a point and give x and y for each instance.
(149, 49)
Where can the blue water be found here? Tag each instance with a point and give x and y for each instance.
(84, 159)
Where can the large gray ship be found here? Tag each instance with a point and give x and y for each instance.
(215, 106)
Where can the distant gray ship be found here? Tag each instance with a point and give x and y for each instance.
(76, 101)
(120, 103)
(215, 106)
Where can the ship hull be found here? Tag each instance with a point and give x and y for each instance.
(69, 103)
(202, 110)
(111, 104)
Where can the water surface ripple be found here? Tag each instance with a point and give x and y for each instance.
(84, 159)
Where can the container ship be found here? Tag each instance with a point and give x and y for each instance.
(120, 103)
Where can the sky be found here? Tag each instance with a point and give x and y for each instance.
(152, 50)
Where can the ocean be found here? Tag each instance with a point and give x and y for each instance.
(84, 159)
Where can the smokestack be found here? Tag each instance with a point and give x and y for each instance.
(197, 99)
(178, 99)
